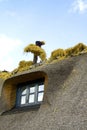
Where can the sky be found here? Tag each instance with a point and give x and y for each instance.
(60, 23)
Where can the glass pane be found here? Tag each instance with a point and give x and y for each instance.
(31, 98)
(32, 89)
(23, 100)
(24, 90)
(40, 97)
(41, 88)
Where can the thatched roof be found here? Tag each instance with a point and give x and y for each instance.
(65, 99)
(1, 84)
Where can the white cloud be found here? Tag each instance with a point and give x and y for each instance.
(7, 63)
(79, 6)
(8, 47)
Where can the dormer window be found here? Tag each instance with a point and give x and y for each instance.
(30, 93)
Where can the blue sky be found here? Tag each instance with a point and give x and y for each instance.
(60, 23)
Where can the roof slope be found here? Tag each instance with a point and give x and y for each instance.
(1, 84)
(65, 102)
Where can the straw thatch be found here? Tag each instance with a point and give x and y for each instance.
(5, 75)
(36, 50)
(65, 99)
(76, 49)
(60, 54)
(23, 65)
(42, 42)
(57, 54)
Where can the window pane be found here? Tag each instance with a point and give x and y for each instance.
(24, 90)
(41, 88)
(31, 98)
(32, 89)
(23, 100)
(40, 97)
